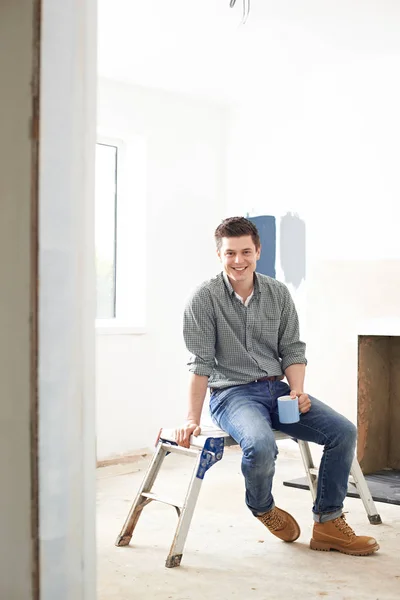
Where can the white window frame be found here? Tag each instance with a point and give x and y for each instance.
(131, 242)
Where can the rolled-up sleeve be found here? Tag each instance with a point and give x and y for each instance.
(199, 332)
(291, 349)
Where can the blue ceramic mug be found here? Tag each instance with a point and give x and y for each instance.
(288, 409)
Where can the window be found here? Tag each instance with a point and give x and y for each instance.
(120, 233)
(106, 229)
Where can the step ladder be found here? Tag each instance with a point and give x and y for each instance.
(206, 450)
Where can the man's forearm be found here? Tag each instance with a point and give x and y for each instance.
(295, 375)
(197, 393)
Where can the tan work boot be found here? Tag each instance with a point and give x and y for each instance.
(338, 535)
(281, 524)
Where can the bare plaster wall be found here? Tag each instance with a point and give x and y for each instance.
(16, 63)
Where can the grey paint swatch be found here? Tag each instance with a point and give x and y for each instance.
(293, 249)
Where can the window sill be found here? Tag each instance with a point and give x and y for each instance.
(112, 327)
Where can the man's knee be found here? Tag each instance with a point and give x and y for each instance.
(350, 433)
(261, 451)
(347, 434)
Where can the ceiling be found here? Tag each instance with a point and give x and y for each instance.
(200, 47)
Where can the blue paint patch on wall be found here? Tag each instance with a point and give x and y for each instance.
(266, 226)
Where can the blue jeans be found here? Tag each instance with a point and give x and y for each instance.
(249, 413)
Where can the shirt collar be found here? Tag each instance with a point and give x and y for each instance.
(257, 287)
(228, 283)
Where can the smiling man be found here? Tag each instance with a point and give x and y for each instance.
(242, 331)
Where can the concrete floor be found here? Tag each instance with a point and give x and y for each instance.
(229, 555)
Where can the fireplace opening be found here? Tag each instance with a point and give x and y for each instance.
(378, 415)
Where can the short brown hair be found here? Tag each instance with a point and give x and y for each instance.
(236, 227)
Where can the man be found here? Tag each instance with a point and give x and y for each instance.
(242, 331)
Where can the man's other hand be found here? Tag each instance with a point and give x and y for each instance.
(304, 400)
(182, 435)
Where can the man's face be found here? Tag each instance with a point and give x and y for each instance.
(239, 258)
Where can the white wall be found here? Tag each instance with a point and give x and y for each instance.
(141, 379)
(347, 298)
(66, 288)
(313, 129)
(324, 143)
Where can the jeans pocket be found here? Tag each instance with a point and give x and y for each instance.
(217, 400)
(280, 388)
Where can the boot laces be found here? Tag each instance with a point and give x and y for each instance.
(273, 520)
(344, 527)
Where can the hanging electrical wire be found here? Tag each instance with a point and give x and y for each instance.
(246, 9)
